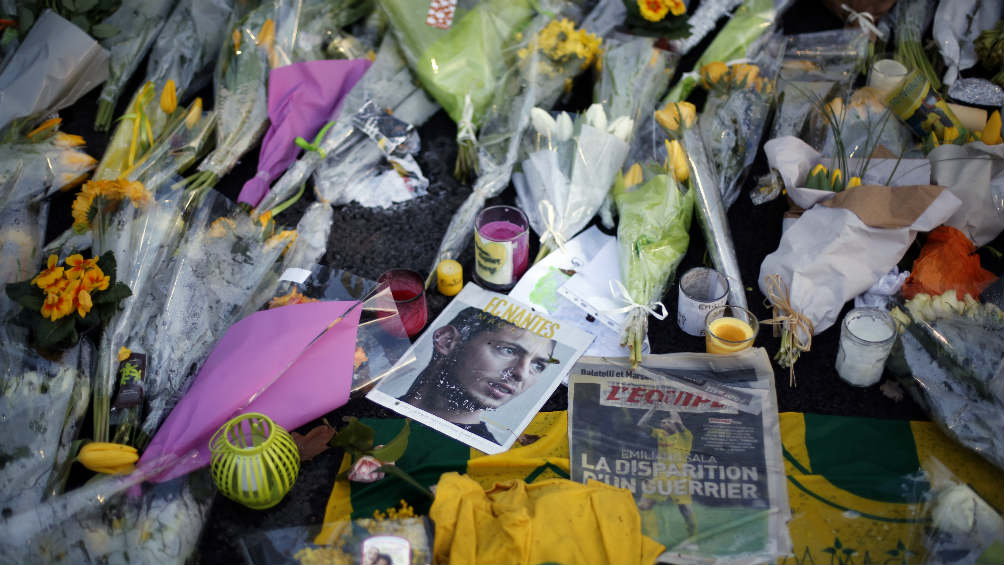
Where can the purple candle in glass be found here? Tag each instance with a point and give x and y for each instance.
(501, 247)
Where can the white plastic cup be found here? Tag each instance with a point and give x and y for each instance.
(701, 290)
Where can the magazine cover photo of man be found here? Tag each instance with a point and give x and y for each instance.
(479, 362)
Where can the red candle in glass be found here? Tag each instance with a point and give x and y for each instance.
(502, 247)
(408, 289)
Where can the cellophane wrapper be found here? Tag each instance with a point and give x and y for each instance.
(42, 405)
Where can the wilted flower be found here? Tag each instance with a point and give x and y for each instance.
(67, 140)
(366, 470)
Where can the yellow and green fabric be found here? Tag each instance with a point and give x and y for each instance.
(849, 489)
(548, 521)
(540, 453)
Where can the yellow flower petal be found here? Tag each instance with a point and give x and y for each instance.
(124, 353)
(169, 97)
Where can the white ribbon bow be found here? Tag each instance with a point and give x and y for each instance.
(619, 292)
(864, 19)
(550, 217)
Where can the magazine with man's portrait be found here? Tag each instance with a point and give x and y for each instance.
(482, 370)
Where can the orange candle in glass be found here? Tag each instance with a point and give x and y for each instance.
(728, 329)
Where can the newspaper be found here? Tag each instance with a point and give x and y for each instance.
(708, 477)
(482, 369)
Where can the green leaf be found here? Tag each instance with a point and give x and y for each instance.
(107, 265)
(50, 334)
(21, 291)
(25, 19)
(80, 21)
(104, 31)
(86, 5)
(355, 436)
(69, 5)
(397, 472)
(396, 447)
(111, 295)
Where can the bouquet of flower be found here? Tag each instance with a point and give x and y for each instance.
(652, 236)
(43, 402)
(108, 521)
(551, 53)
(559, 186)
(741, 35)
(189, 41)
(219, 264)
(387, 84)
(735, 115)
(472, 36)
(37, 164)
(679, 119)
(136, 24)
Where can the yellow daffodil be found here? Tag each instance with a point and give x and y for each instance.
(855, 181)
(712, 73)
(676, 114)
(653, 10)
(124, 353)
(633, 176)
(676, 157)
(50, 274)
(992, 131)
(168, 97)
(194, 114)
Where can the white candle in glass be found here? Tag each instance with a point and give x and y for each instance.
(866, 338)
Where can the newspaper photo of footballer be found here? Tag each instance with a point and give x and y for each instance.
(477, 376)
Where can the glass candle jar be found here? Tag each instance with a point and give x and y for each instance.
(866, 338)
(501, 247)
(729, 329)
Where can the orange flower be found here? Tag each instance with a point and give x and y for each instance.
(676, 7)
(49, 275)
(95, 279)
(82, 302)
(652, 10)
(78, 266)
(60, 304)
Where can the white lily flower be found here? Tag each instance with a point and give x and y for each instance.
(596, 117)
(622, 128)
(542, 122)
(563, 131)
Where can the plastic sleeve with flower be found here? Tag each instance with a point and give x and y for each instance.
(39, 164)
(22, 231)
(220, 263)
(43, 402)
(539, 66)
(114, 519)
(138, 129)
(735, 115)
(137, 23)
(189, 41)
(388, 83)
(652, 236)
(679, 120)
(746, 26)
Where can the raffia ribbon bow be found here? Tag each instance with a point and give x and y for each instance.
(794, 323)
